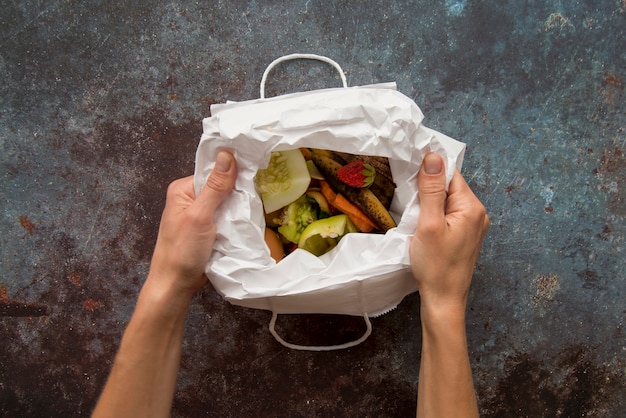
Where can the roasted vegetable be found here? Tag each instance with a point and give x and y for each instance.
(312, 208)
(383, 186)
(356, 215)
(363, 198)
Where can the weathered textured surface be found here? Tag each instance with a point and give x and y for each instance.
(100, 107)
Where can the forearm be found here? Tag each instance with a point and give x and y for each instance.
(143, 377)
(445, 387)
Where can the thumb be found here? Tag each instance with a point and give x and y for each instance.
(219, 184)
(431, 185)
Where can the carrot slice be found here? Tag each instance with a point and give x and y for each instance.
(305, 152)
(330, 196)
(328, 192)
(356, 215)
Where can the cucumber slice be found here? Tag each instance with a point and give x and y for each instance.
(285, 179)
(313, 171)
(321, 201)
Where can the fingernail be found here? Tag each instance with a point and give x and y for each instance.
(433, 164)
(223, 162)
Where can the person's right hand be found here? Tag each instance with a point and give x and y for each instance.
(450, 231)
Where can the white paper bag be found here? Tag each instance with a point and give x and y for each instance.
(366, 274)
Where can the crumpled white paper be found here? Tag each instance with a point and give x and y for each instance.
(366, 273)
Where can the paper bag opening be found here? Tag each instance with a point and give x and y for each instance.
(365, 273)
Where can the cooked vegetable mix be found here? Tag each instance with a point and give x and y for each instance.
(314, 197)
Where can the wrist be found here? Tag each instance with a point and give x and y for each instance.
(435, 316)
(163, 298)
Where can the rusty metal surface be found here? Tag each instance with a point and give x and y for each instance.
(101, 106)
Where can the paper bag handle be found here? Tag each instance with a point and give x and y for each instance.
(301, 56)
(367, 333)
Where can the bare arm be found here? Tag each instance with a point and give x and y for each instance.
(143, 377)
(444, 250)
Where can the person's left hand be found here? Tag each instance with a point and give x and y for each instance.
(187, 230)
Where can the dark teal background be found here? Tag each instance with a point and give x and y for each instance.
(101, 106)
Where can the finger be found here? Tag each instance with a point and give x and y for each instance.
(431, 184)
(462, 201)
(458, 184)
(486, 223)
(180, 194)
(219, 184)
(183, 188)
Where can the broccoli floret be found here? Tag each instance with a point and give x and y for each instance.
(297, 216)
